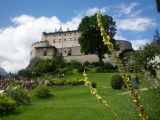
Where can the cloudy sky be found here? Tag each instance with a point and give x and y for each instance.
(23, 21)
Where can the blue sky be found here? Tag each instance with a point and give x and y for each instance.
(23, 21)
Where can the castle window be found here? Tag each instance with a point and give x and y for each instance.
(70, 38)
(44, 53)
(75, 38)
(59, 34)
(69, 53)
(59, 40)
(65, 39)
(54, 41)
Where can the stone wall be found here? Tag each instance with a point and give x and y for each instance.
(45, 52)
(90, 58)
(62, 39)
(66, 44)
(123, 45)
(70, 51)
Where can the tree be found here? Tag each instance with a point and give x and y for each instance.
(91, 39)
(143, 57)
(25, 73)
(43, 66)
(156, 36)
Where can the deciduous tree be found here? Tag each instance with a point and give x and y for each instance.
(91, 39)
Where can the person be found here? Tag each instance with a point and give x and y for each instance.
(135, 83)
(152, 71)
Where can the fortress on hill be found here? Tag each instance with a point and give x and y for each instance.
(66, 43)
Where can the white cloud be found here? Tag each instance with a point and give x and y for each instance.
(23, 19)
(136, 44)
(126, 9)
(92, 11)
(118, 36)
(135, 24)
(16, 41)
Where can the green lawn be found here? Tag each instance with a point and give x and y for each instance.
(76, 103)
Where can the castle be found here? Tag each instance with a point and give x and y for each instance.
(66, 43)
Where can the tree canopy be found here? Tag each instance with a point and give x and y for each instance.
(91, 39)
(144, 56)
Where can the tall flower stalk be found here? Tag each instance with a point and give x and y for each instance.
(98, 97)
(136, 99)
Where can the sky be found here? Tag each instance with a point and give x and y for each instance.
(23, 21)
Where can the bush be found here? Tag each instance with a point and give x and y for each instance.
(75, 64)
(86, 63)
(117, 81)
(21, 96)
(7, 105)
(42, 91)
(94, 84)
(109, 66)
(95, 64)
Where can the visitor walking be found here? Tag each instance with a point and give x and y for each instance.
(135, 83)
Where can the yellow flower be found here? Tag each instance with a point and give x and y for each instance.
(106, 40)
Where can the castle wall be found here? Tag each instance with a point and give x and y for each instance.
(62, 39)
(66, 44)
(69, 51)
(37, 44)
(123, 45)
(89, 58)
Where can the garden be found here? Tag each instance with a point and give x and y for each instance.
(97, 91)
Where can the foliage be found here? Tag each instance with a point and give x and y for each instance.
(121, 68)
(25, 73)
(106, 67)
(125, 56)
(142, 57)
(20, 95)
(43, 66)
(116, 81)
(153, 101)
(91, 40)
(86, 63)
(157, 36)
(75, 64)
(94, 84)
(98, 96)
(7, 105)
(69, 100)
(75, 81)
(48, 66)
(42, 91)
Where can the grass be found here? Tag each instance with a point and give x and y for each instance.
(76, 103)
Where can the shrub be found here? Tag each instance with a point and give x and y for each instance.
(7, 105)
(117, 81)
(95, 64)
(21, 96)
(86, 63)
(109, 66)
(75, 64)
(42, 91)
(59, 82)
(94, 84)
